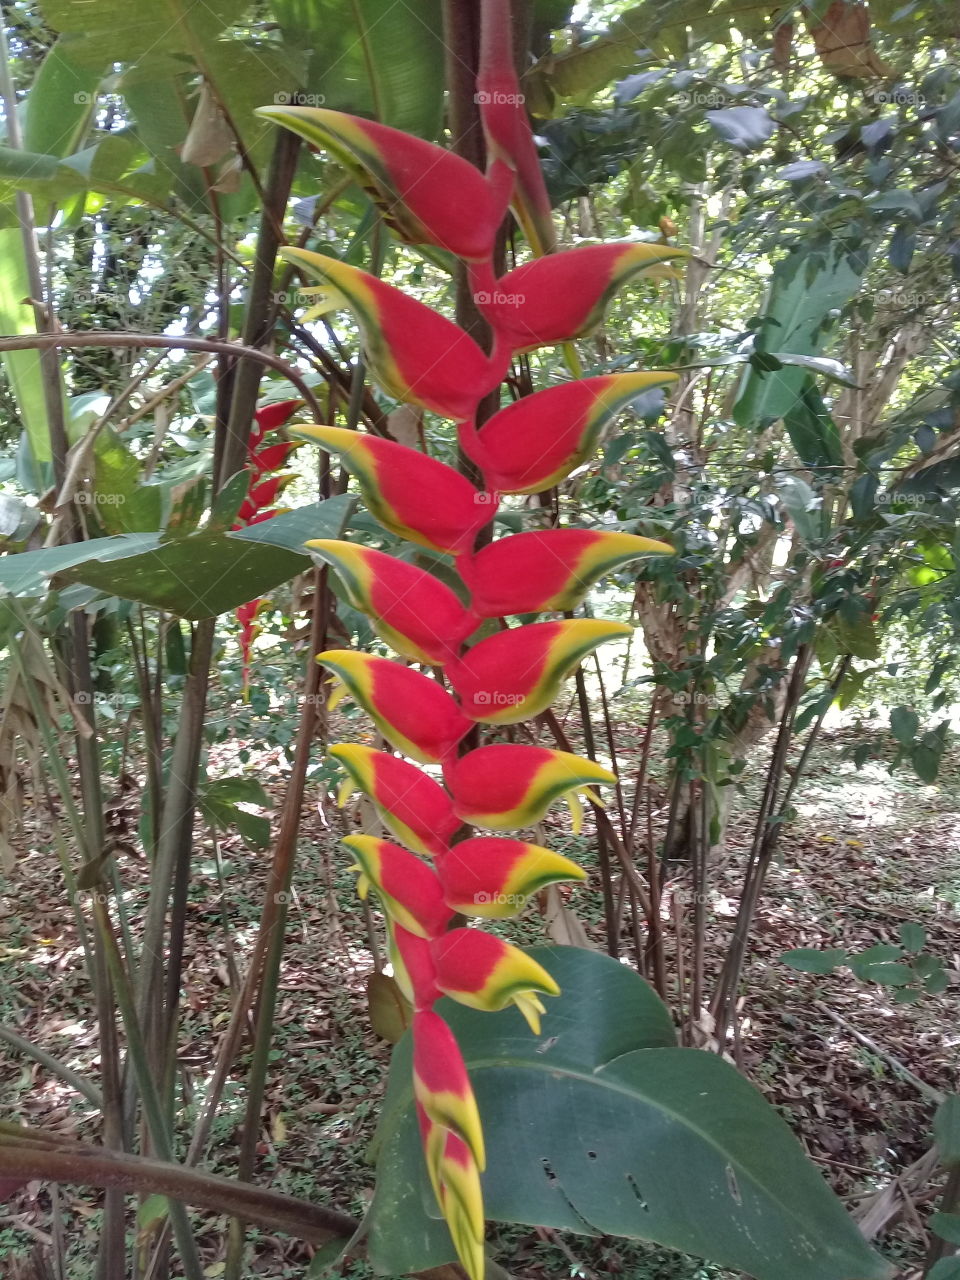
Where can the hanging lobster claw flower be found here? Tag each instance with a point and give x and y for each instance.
(538, 440)
(422, 189)
(263, 495)
(246, 615)
(456, 1184)
(483, 972)
(441, 1085)
(272, 457)
(510, 145)
(547, 570)
(509, 785)
(412, 711)
(410, 494)
(416, 613)
(413, 966)
(409, 889)
(411, 805)
(492, 877)
(271, 416)
(564, 295)
(415, 353)
(516, 674)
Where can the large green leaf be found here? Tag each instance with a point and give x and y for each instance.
(372, 57)
(603, 1126)
(806, 291)
(60, 103)
(22, 367)
(205, 574)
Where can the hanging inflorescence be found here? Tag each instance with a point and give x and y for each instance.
(432, 870)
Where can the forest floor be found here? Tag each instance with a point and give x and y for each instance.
(868, 852)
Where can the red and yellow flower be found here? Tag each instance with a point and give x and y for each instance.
(413, 496)
(492, 877)
(536, 442)
(415, 808)
(431, 196)
(414, 612)
(506, 786)
(547, 570)
(517, 673)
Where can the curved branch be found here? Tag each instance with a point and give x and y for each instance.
(64, 338)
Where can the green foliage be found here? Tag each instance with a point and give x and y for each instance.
(907, 968)
(603, 1126)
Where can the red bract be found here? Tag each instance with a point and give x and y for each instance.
(421, 188)
(517, 673)
(547, 570)
(563, 296)
(413, 611)
(415, 354)
(410, 710)
(410, 494)
(537, 441)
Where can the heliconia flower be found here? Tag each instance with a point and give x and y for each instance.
(484, 972)
(415, 808)
(246, 615)
(547, 570)
(509, 138)
(416, 613)
(270, 416)
(272, 457)
(456, 1183)
(415, 353)
(410, 890)
(538, 440)
(422, 189)
(515, 674)
(492, 877)
(509, 785)
(412, 711)
(262, 495)
(410, 494)
(564, 295)
(441, 1085)
(414, 967)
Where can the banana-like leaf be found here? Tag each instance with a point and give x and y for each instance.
(805, 295)
(602, 1126)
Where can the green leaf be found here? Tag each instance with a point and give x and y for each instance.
(887, 973)
(601, 1126)
(805, 293)
(813, 960)
(812, 430)
(945, 1269)
(904, 723)
(371, 57)
(946, 1226)
(389, 1009)
(745, 128)
(239, 790)
(913, 937)
(206, 574)
(946, 1129)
